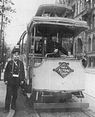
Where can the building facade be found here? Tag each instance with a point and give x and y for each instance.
(85, 42)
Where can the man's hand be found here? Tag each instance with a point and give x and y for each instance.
(6, 82)
(56, 50)
(69, 53)
(22, 82)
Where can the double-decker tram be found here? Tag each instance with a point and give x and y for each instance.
(54, 74)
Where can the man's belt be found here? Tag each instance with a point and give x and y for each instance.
(16, 75)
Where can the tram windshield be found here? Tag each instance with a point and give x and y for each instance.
(54, 37)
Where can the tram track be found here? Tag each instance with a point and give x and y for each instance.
(83, 113)
(89, 113)
(79, 112)
(71, 112)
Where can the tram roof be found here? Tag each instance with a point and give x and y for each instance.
(53, 9)
(66, 24)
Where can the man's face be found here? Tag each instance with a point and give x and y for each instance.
(16, 56)
(54, 39)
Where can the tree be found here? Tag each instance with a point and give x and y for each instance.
(5, 9)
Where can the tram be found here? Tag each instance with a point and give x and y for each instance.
(53, 79)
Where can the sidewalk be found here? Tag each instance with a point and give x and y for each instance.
(2, 99)
(2, 94)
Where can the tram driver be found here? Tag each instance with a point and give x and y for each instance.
(55, 48)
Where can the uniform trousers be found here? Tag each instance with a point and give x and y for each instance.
(11, 96)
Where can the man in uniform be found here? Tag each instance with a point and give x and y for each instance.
(14, 75)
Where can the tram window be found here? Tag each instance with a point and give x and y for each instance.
(67, 44)
(38, 46)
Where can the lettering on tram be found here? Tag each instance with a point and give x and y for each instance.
(63, 69)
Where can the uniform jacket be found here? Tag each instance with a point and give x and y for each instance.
(9, 71)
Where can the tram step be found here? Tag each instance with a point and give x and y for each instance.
(70, 105)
